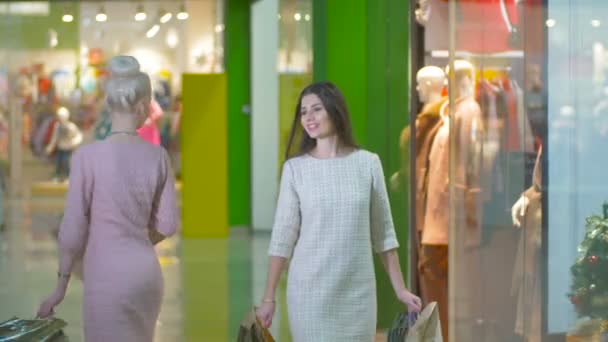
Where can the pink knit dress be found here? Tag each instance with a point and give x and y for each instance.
(118, 191)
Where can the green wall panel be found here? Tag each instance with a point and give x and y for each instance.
(346, 55)
(32, 32)
(237, 41)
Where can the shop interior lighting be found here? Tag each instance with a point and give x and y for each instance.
(183, 14)
(219, 28)
(67, 18)
(551, 22)
(153, 31)
(297, 16)
(140, 15)
(279, 16)
(165, 17)
(172, 38)
(596, 23)
(307, 17)
(101, 15)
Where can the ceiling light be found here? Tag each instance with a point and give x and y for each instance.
(596, 23)
(166, 17)
(67, 18)
(550, 22)
(153, 31)
(182, 15)
(307, 17)
(219, 28)
(101, 15)
(297, 16)
(172, 38)
(140, 15)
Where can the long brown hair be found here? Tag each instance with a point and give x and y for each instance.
(332, 99)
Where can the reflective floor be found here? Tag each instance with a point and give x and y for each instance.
(209, 284)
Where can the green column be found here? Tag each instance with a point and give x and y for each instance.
(237, 61)
(237, 69)
(362, 46)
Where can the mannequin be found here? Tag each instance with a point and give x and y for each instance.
(526, 282)
(431, 81)
(433, 265)
(66, 137)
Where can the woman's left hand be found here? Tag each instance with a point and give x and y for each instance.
(413, 302)
(47, 307)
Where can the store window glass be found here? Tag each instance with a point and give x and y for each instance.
(53, 57)
(576, 191)
(479, 137)
(511, 231)
(495, 97)
(294, 61)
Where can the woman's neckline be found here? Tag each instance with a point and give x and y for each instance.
(346, 156)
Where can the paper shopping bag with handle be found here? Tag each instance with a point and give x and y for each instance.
(251, 330)
(427, 327)
(401, 326)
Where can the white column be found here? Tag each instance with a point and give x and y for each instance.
(264, 112)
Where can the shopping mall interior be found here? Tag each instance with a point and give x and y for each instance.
(487, 117)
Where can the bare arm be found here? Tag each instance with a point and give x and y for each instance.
(275, 270)
(390, 260)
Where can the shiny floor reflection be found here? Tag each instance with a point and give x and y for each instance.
(209, 284)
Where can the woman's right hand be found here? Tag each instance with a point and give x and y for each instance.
(265, 313)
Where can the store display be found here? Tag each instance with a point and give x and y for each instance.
(526, 281)
(431, 81)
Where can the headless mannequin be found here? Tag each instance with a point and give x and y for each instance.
(65, 139)
(526, 275)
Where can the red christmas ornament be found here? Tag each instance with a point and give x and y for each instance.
(592, 259)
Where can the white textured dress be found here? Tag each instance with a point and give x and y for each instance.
(331, 213)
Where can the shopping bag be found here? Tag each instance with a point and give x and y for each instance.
(401, 326)
(251, 330)
(427, 327)
(16, 329)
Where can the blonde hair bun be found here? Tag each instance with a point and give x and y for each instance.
(124, 66)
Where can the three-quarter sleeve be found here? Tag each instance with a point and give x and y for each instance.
(73, 233)
(287, 220)
(381, 220)
(165, 215)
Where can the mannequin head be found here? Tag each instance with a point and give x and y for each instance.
(128, 90)
(464, 78)
(63, 114)
(431, 80)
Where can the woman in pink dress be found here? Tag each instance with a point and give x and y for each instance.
(120, 203)
(149, 131)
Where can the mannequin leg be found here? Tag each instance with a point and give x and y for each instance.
(433, 271)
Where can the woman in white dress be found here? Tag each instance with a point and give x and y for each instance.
(332, 213)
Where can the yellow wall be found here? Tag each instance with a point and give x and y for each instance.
(204, 156)
(290, 86)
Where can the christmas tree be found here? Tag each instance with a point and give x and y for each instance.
(589, 290)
